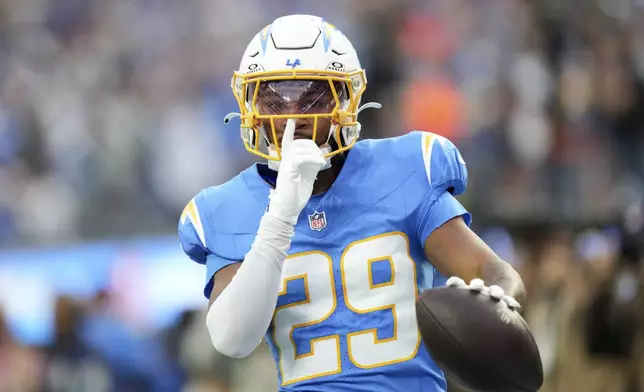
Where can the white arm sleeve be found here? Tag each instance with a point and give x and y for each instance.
(241, 315)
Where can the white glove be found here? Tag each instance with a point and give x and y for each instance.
(477, 285)
(302, 160)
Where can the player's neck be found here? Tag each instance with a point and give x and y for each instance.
(327, 177)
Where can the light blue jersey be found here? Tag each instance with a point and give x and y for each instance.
(345, 317)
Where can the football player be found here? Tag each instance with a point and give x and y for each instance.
(321, 250)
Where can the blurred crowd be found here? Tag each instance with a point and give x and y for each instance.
(111, 119)
(91, 350)
(111, 111)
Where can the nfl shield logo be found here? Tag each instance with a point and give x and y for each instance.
(317, 221)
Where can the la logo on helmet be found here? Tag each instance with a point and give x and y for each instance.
(293, 64)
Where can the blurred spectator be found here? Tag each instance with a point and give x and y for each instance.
(71, 365)
(20, 367)
(137, 361)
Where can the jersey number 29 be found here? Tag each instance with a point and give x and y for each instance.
(361, 295)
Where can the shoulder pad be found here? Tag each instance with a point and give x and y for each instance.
(386, 154)
(191, 231)
(221, 220)
(443, 165)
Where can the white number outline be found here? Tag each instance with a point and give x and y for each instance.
(372, 286)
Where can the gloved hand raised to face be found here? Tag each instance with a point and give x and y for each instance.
(301, 162)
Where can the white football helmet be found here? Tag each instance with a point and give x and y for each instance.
(314, 59)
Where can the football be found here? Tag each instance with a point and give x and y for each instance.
(479, 342)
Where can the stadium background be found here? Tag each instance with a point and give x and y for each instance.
(111, 120)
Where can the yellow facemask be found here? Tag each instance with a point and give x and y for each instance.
(342, 107)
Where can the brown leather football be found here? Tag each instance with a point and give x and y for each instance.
(479, 342)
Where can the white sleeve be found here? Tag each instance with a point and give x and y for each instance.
(240, 316)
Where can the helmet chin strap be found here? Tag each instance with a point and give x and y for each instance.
(275, 165)
(326, 148)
